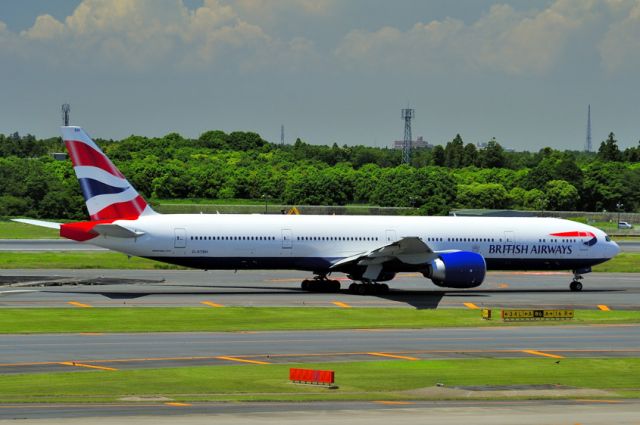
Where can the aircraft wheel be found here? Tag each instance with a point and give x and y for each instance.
(575, 286)
(305, 285)
(353, 288)
(335, 286)
(383, 288)
(362, 289)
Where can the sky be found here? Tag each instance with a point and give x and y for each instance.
(330, 71)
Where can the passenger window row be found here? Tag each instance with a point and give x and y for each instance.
(472, 240)
(233, 238)
(337, 238)
(558, 240)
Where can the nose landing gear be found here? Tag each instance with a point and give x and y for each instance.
(575, 285)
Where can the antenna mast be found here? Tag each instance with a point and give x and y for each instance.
(407, 114)
(66, 111)
(588, 144)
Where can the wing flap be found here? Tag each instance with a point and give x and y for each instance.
(116, 231)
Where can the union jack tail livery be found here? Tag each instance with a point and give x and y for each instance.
(106, 191)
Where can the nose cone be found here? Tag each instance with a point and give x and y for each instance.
(615, 249)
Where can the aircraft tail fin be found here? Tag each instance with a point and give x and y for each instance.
(107, 193)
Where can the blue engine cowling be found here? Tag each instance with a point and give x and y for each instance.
(460, 269)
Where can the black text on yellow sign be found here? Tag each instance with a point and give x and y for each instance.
(537, 314)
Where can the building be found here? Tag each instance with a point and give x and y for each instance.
(415, 144)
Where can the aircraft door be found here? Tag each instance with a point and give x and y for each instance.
(509, 236)
(180, 240)
(391, 235)
(287, 239)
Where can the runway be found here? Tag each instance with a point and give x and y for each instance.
(64, 352)
(69, 245)
(162, 288)
(485, 412)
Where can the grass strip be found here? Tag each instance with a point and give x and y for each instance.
(78, 260)
(626, 262)
(233, 319)
(374, 380)
(13, 230)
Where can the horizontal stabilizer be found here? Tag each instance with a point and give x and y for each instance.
(40, 223)
(116, 231)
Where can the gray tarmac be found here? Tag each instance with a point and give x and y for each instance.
(114, 351)
(535, 412)
(162, 288)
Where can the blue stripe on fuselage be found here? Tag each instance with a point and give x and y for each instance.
(320, 264)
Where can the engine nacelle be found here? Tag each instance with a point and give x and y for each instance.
(460, 269)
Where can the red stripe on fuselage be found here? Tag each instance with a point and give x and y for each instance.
(84, 155)
(122, 210)
(574, 234)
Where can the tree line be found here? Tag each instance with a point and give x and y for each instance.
(242, 165)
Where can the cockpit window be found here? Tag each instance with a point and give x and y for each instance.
(607, 238)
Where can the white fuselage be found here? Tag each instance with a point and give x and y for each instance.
(314, 243)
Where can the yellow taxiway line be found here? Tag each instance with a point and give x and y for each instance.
(88, 366)
(341, 304)
(394, 403)
(210, 304)
(471, 306)
(604, 307)
(236, 359)
(393, 356)
(540, 353)
(77, 304)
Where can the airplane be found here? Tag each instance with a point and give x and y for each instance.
(453, 252)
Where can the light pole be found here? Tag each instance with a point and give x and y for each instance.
(619, 206)
(266, 203)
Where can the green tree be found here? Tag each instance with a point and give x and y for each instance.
(562, 196)
(437, 156)
(492, 156)
(482, 195)
(454, 153)
(609, 150)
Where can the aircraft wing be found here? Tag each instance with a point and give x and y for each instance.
(40, 223)
(408, 250)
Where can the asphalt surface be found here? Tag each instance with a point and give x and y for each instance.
(69, 245)
(64, 352)
(125, 288)
(535, 412)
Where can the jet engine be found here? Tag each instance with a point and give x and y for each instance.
(460, 269)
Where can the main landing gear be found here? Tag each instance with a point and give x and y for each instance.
(369, 288)
(575, 285)
(320, 284)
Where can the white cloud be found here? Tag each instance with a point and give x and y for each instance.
(141, 34)
(620, 47)
(503, 40)
(270, 10)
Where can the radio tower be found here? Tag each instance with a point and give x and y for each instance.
(282, 134)
(588, 144)
(407, 114)
(66, 110)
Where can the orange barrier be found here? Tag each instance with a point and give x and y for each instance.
(310, 376)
